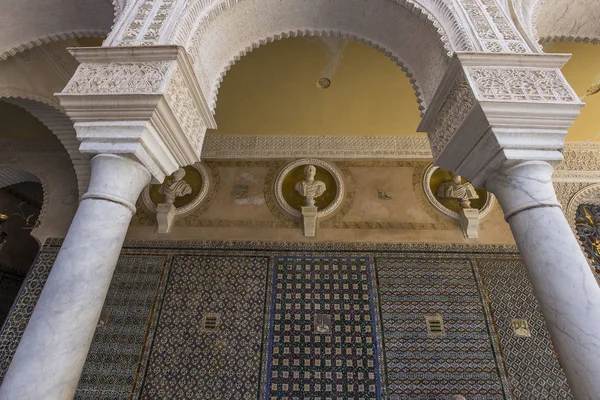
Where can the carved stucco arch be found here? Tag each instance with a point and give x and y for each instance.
(218, 36)
(79, 18)
(49, 113)
(568, 25)
(13, 174)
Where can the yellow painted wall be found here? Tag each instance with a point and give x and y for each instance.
(273, 91)
(582, 71)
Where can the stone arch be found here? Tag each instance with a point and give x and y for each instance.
(217, 36)
(48, 113)
(563, 20)
(11, 175)
(28, 26)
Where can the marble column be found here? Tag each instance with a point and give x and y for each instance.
(563, 282)
(49, 360)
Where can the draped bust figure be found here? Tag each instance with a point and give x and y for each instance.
(456, 189)
(176, 187)
(309, 188)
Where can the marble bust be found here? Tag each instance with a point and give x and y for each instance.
(456, 189)
(176, 187)
(309, 188)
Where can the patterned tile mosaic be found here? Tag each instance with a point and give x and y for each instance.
(189, 362)
(587, 226)
(120, 341)
(14, 326)
(532, 365)
(322, 340)
(198, 320)
(421, 365)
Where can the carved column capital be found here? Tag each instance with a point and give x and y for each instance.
(143, 102)
(493, 108)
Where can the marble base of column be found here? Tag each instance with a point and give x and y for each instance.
(50, 357)
(563, 282)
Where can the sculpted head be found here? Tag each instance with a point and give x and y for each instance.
(456, 179)
(309, 172)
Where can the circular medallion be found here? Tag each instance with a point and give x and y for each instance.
(196, 176)
(438, 184)
(326, 185)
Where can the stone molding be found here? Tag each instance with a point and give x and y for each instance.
(296, 146)
(332, 169)
(146, 99)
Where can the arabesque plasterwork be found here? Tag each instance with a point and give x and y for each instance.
(520, 84)
(112, 77)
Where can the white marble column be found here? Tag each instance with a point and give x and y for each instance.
(50, 357)
(563, 282)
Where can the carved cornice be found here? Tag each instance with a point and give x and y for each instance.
(296, 146)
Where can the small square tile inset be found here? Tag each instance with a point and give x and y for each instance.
(322, 324)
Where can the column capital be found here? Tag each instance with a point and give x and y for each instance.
(141, 102)
(493, 107)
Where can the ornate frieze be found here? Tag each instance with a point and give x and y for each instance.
(296, 146)
(494, 30)
(182, 104)
(520, 84)
(118, 77)
(456, 107)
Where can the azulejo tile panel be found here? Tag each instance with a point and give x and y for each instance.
(532, 365)
(322, 336)
(118, 347)
(15, 324)
(189, 361)
(421, 365)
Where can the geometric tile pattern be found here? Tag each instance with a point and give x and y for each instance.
(587, 226)
(532, 365)
(14, 326)
(426, 366)
(120, 340)
(9, 288)
(322, 337)
(189, 362)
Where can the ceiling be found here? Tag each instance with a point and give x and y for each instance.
(273, 91)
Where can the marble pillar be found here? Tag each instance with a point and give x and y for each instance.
(563, 282)
(50, 357)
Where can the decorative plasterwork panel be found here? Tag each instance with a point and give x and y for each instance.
(147, 24)
(118, 78)
(494, 29)
(292, 146)
(456, 107)
(181, 101)
(520, 84)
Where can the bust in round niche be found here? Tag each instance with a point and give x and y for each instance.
(456, 197)
(179, 189)
(309, 185)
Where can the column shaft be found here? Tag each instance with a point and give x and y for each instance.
(49, 360)
(564, 284)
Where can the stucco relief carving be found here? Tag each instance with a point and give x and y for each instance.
(520, 84)
(453, 112)
(495, 30)
(295, 146)
(182, 103)
(148, 23)
(118, 78)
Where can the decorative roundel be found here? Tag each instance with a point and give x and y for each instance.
(196, 176)
(435, 177)
(292, 201)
